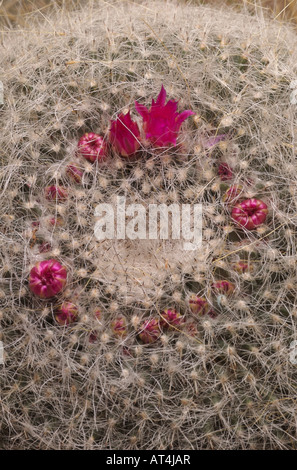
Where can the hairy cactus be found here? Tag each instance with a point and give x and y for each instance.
(147, 346)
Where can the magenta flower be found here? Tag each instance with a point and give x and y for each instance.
(66, 313)
(250, 213)
(162, 122)
(92, 147)
(124, 135)
(47, 278)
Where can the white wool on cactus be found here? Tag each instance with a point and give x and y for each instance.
(130, 342)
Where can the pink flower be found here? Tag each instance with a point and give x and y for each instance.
(124, 135)
(92, 147)
(55, 193)
(150, 331)
(171, 319)
(250, 213)
(162, 122)
(198, 305)
(66, 313)
(47, 278)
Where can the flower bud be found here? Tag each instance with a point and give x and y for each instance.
(198, 305)
(171, 319)
(225, 172)
(92, 147)
(223, 287)
(232, 194)
(74, 173)
(55, 193)
(119, 327)
(47, 278)
(243, 266)
(150, 331)
(66, 313)
(93, 337)
(250, 213)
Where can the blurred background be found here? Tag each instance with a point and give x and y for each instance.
(16, 12)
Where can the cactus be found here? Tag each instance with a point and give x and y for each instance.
(223, 379)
